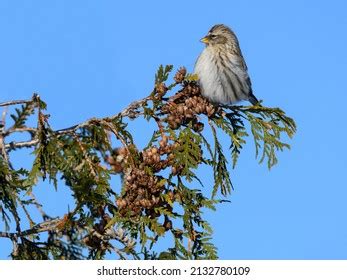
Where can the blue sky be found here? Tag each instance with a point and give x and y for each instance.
(92, 58)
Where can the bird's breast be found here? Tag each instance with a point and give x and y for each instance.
(221, 77)
(207, 71)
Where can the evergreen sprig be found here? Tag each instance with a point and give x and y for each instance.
(160, 193)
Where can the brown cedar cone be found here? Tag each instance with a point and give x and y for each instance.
(161, 89)
(117, 159)
(180, 75)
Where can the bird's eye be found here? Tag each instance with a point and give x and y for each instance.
(213, 36)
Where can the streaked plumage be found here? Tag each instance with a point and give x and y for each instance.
(222, 70)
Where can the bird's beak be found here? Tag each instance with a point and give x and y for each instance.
(205, 40)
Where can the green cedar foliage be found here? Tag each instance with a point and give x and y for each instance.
(161, 191)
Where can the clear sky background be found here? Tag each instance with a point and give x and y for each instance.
(92, 58)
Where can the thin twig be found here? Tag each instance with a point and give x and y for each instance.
(21, 129)
(24, 144)
(41, 227)
(6, 234)
(3, 150)
(130, 111)
(26, 212)
(15, 102)
(73, 128)
(15, 249)
(85, 155)
(2, 141)
(3, 117)
(118, 252)
(38, 206)
(115, 132)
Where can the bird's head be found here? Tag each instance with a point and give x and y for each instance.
(219, 34)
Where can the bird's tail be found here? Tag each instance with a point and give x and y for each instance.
(253, 99)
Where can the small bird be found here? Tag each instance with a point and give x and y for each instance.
(222, 70)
